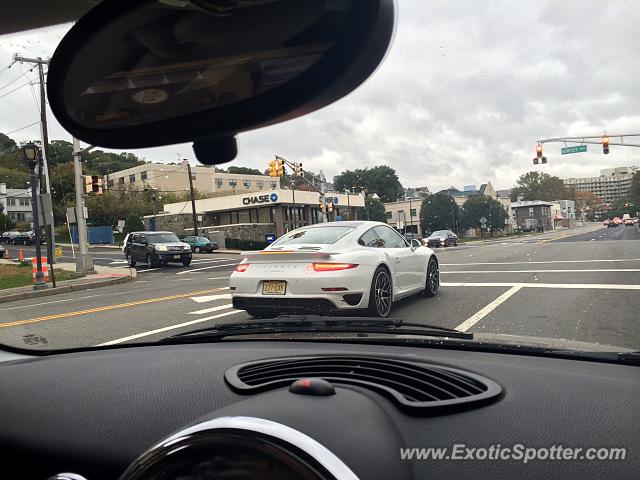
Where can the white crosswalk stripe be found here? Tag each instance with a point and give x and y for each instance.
(210, 310)
(211, 298)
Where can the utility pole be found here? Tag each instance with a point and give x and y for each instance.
(294, 213)
(84, 262)
(193, 200)
(44, 137)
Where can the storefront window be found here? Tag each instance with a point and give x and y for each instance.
(243, 216)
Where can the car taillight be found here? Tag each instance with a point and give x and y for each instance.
(333, 267)
(242, 267)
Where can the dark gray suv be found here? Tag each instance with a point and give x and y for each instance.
(156, 248)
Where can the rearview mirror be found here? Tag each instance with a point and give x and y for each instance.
(146, 73)
(415, 243)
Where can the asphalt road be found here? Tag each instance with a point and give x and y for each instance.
(580, 284)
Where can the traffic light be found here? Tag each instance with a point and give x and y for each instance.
(605, 145)
(273, 170)
(298, 168)
(88, 184)
(330, 207)
(279, 168)
(321, 206)
(93, 184)
(539, 151)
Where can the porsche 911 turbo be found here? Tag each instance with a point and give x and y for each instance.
(334, 266)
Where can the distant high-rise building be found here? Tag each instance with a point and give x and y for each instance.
(612, 184)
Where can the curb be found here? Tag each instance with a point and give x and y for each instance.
(64, 289)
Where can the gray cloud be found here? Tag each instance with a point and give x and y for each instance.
(462, 96)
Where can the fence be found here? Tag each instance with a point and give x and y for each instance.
(96, 235)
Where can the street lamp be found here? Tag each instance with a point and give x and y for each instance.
(32, 156)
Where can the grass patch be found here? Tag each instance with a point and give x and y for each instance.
(21, 275)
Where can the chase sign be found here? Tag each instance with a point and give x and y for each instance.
(257, 199)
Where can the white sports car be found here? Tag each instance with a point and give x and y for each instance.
(334, 266)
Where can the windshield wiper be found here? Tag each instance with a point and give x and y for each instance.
(316, 324)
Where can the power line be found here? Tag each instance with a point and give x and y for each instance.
(17, 130)
(17, 88)
(16, 79)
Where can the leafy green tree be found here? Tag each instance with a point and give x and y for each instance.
(14, 178)
(439, 212)
(634, 192)
(133, 224)
(7, 144)
(60, 151)
(622, 206)
(374, 210)
(479, 206)
(539, 186)
(382, 180)
(243, 171)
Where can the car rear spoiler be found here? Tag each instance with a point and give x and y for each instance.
(264, 256)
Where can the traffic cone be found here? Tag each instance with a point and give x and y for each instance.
(21, 256)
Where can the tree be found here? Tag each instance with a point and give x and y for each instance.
(133, 224)
(382, 180)
(539, 186)
(374, 210)
(243, 171)
(634, 191)
(14, 178)
(622, 206)
(479, 206)
(587, 203)
(439, 212)
(7, 144)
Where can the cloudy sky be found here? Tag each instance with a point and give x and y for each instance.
(465, 91)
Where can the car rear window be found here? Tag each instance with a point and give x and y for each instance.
(322, 235)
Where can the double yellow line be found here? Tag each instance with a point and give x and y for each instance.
(108, 307)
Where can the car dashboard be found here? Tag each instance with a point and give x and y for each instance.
(235, 408)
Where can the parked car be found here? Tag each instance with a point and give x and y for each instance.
(441, 238)
(157, 248)
(8, 236)
(26, 238)
(200, 244)
(3, 251)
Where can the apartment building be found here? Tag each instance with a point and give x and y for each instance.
(175, 178)
(612, 184)
(404, 215)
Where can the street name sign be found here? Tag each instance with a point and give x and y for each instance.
(577, 149)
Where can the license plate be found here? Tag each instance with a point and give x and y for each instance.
(176, 257)
(270, 287)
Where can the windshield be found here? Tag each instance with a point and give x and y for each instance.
(508, 129)
(162, 237)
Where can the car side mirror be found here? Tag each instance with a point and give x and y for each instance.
(415, 244)
(146, 73)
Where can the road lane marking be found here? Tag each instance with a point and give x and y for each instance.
(545, 271)
(211, 298)
(479, 315)
(218, 278)
(206, 260)
(586, 286)
(107, 307)
(165, 329)
(212, 309)
(539, 262)
(207, 268)
(148, 270)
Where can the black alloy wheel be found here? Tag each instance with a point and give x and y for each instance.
(433, 278)
(380, 298)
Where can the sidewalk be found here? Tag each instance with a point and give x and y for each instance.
(104, 276)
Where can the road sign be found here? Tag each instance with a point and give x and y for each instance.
(58, 252)
(483, 221)
(577, 149)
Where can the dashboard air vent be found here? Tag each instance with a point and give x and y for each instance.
(415, 387)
